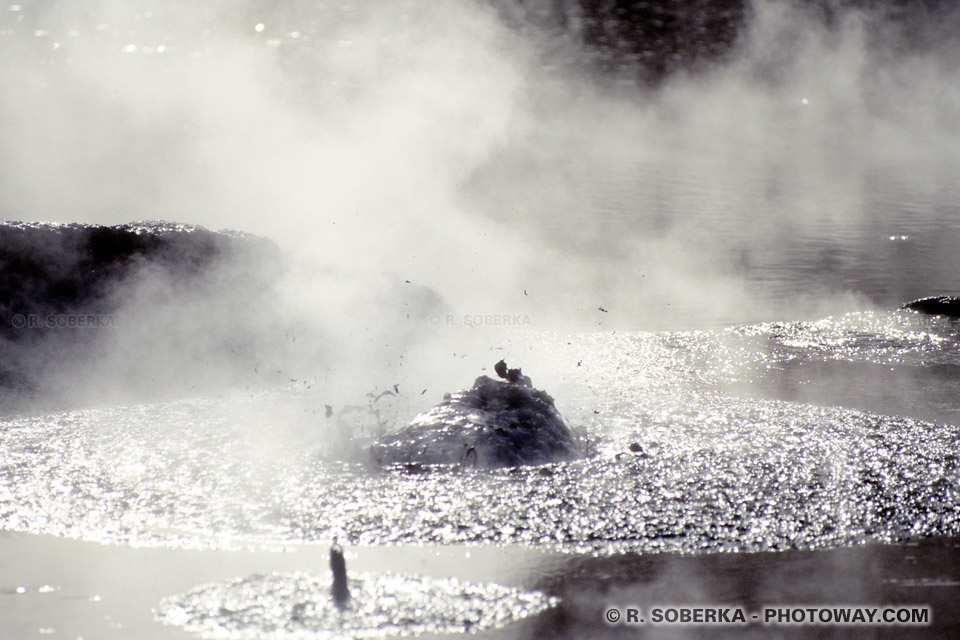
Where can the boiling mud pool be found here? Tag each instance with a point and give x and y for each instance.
(739, 439)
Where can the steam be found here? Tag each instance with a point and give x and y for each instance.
(430, 142)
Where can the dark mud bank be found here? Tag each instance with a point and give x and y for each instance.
(138, 292)
(948, 306)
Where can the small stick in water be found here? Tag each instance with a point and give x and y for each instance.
(341, 593)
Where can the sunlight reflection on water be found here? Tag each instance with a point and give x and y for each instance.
(680, 465)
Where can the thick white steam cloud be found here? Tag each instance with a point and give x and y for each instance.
(378, 143)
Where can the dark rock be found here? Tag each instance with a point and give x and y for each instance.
(936, 305)
(493, 424)
(512, 375)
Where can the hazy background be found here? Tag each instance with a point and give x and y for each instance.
(692, 166)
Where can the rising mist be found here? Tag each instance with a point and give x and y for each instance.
(466, 159)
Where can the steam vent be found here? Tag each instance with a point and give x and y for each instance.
(496, 423)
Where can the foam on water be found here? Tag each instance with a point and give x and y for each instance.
(679, 464)
(298, 605)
